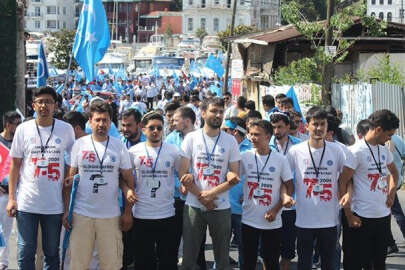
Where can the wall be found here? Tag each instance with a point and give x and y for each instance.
(175, 22)
(367, 60)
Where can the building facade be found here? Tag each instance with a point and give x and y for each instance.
(52, 15)
(216, 15)
(388, 10)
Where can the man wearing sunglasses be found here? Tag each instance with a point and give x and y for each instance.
(155, 163)
(38, 167)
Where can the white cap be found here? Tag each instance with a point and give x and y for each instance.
(176, 95)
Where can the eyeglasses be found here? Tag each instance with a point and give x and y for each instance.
(226, 98)
(158, 128)
(44, 101)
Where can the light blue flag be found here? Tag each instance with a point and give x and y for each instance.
(92, 37)
(291, 94)
(60, 88)
(42, 68)
(215, 64)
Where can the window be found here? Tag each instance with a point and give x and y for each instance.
(373, 2)
(58, 11)
(37, 24)
(228, 3)
(50, 10)
(190, 24)
(216, 2)
(77, 11)
(64, 10)
(389, 16)
(51, 24)
(203, 3)
(216, 24)
(389, 2)
(36, 1)
(37, 11)
(372, 14)
(190, 2)
(381, 16)
(202, 23)
(264, 21)
(242, 2)
(381, 2)
(64, 25)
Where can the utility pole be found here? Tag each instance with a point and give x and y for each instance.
(228, 51)
(327, 68)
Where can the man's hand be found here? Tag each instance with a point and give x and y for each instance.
(131, 196)
(207, 196)
(68, 182)
(345, 200)
(271, 215)
(232, 178)
(183, 190)
(390, 199)
(65, 222)
(353, 221)
(11, 208)
(126, 222)
(209, 205)
(288, 201)
(187, 179)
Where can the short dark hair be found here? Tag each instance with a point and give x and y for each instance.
(186, 98)
(240, 122)
(100, 106)
(268, 100)
(241, 102)
(250, 105)
(168, 95)
(44, 90)
(212, 101)
(363, 127)
(228, 94)
(10, 117)
(75, 119)
(287, 100)
(280, 96)
(316, 112)
(254, 114)
(333, 123)
(385, 119)
(151, 116)
(138, 98)
(264, 124)
(172, 106)
(186, 113)
(132, 112)
(277, 117)
(195, 98)
(294, 114)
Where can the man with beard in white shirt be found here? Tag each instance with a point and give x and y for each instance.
(214, 157)
(266, 172)
(99, 159)
(367, 224)
(155, 229)
(320, 168)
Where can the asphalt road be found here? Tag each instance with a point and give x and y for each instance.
(395, 261)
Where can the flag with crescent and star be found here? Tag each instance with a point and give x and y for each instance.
(42, 68)
(92, 37)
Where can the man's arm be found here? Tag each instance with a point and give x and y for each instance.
(127, 186)
(67, 189)
(344, 180)
(12, 186)
(186, 178)
(392, 183)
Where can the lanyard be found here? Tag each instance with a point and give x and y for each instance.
(157, 158)
(40, 138)
(105, 152)
(206, 147)
(316, 169)
(264, 166)
(378, 165)
(286, 147)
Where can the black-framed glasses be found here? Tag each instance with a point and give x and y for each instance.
(44, 102)
(152, 128)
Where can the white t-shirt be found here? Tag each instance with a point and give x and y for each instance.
(97, 196)
(369, 197)
(150, 91)
(226, 151)
(40, 187)
(255, 207)
(316, 209)
(155, 202)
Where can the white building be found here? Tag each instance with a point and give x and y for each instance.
(52, 15)
(389, 10)
(215, 15)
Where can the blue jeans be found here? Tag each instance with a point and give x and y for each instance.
(398, 214)
(27, 225)
(237, 231)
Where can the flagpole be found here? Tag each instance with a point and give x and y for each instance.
(67, 72)
(228, 54)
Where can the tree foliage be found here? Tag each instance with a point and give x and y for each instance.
(61, 44)
(237, 31)
(313, 10)
(200, 33)
(169, 31)
(304, 70)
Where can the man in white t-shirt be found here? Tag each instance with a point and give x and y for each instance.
(266, 172)
(99, 159)
(320, 168)
(37, 168)
(155, 229)
(367, 225)
(214, 157)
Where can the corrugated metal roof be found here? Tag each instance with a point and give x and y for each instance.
(280, 34)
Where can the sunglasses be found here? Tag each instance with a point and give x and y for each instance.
(152, 128)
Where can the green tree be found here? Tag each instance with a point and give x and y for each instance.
(200, 33)
(169, 31)
(237, 31)
(312, 9)
(61, 44)
(304, 70)
(176, 5)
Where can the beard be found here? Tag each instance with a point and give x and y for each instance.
(131, 136)
(214, 123)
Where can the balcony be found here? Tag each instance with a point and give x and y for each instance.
(34, 15)
(209, 6)
(146, 28)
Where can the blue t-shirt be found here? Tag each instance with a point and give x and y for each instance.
(176, 138)
(399, 152)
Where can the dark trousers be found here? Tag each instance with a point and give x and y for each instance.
(270, 247)
(289, 235)
(149, 103)
(155, 244)
(366, 247)
(128, 253)
(179, 208)
(399, 216)
(326, 240)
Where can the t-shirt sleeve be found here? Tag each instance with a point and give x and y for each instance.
(74, 154)
(356, 157)
(390, 159)
(69, 144)
(349, 159)
(187, 147)
(285, 173)
(291, 160)
(234, 151)
(125, 160)
(178, 155)
(242, 169)
(17, 147)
